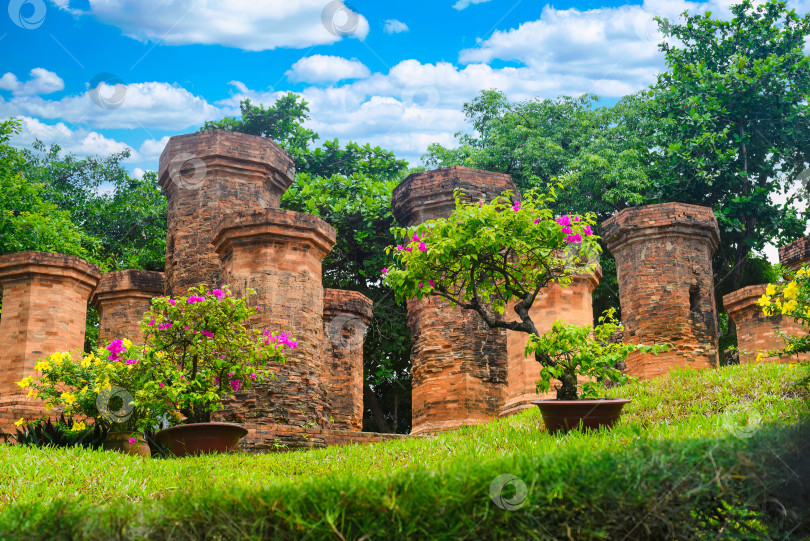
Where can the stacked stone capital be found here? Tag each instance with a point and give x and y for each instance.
(756, 332)
(44, 311)
(279, 255)
(346, 315)
(795, 254)
(121, 299)
(458, 363)
(666, 286)
(206, 176)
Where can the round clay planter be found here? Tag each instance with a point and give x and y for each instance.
(201, 438)
(565, 415)
(119, 441)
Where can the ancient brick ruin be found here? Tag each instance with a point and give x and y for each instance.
(225, 226)
(666, 288)
(756, 332)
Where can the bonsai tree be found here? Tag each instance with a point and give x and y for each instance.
(199, 350)
(791, 298)
(584, 350)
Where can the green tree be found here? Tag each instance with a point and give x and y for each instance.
(349, 187)
(733, 131)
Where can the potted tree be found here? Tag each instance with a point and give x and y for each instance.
(492, 256)
(199, 350)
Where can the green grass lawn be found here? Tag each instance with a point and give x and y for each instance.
(714, 454)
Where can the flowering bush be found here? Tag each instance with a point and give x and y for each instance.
(790, 298)
(486, 256)
(568, 351)
(197, 351)
(200, 351)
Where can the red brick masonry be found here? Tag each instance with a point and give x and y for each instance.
(44, 311)
(796, 253)
(346, 315)
(206, 176)
(121, 298)
(278, 253)
(756, 332)
(666, 287)
(459, 364)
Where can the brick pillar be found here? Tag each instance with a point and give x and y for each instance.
(278, 253)
(458, 363)
(572, 304)
(44, 311)
(346, 314)
(205, 176)
(795, 254)
(666, 287)
(121, 298)
(756, 332)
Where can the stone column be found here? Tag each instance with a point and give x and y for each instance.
(205, 176)
(458, 363)
(121, 299)
(278, 253)
(44, 311)
(346, 315)
(756, 332)
(795, 254)
(666, 287)
(572, 304)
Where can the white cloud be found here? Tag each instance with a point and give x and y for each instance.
(42, 82)
(80, 141)
(393, 26)
(151, 148)
(138, 173)
(323, 68)
(244, 24)
(136, 105)
(462, 4)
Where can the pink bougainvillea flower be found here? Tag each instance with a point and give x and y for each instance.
(132, 441)
(218, 293)
(408, 249)
(209, 334)
(516, 206)
(116, 347)
(432, 284)
(415, 238)
(236, 384)
(253, 375)
(421, 284)
(564, 220)
(151, 322)
(587, 230)
(576, 218)
(259, 308)
(480, 203)
(161, 384)
(567, 230)
(385, 270)
(400, 247)
(173, 302)
(537, 220)
(422, 247)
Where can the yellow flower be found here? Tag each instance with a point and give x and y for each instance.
(764, 300)
(42, 366)
(801, 272)
(760, 356)
(84, 390)
(127, 343)
(770, 290)
(68, 398)
(78, 426)
(791, 290)
(32, 393)
(790, 307)
(25, 382)
(48, 406)
(20, 422)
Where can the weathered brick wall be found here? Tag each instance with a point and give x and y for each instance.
(756, 332)
(121, 299)
(458, 363)
(44, 311)
(572, 304)
(346, 315)
(666, 287)
(796, 253)
(205, 176)
(278, 254)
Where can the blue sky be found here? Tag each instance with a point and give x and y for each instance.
(393, 74)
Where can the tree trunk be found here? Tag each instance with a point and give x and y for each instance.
(568, 389)
(370, 399)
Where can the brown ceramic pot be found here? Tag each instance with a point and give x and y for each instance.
(119, 441)
(201, 438)
(565, 415)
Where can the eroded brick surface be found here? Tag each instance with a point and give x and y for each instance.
(666, 287)
(269, 437)
(573, 305)
(121, 299)
(346, 315)
(278, 254)
(206, 176)
(458, 363)
(756, 332)
(44, 311)
(796, 253)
